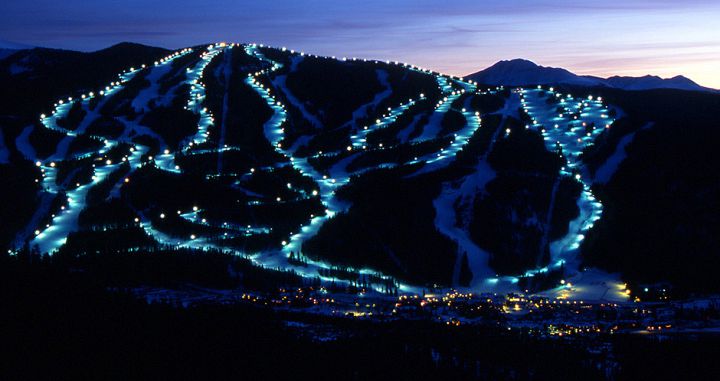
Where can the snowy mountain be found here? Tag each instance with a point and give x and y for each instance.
(518, 72)
(411, 179)
(521, 72)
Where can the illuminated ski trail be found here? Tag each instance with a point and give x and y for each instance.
(433, 126)
(339, 176)
(362, 111)
(166, 160)
(569, 131)
(327, 186)
(359, 139)
(465, 190)
(50, 238)
(227, 72)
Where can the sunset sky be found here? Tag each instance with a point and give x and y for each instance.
(609, 37)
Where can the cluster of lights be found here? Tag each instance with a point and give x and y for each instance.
(63, 223)
(568, 143)
(197, 94)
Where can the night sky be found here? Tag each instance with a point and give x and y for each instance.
(609, 37)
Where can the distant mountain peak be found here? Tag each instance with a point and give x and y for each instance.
(517, 62)
(523, 72)
(520, 71)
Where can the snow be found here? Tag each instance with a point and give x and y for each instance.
(446, 218)
(280, 80)
(591, 285)
(363, 110)
(22, 142)
(55, 235)
(142, 100)
(227, 72)
(605, 172)
(572, 137)
(433, 126)
(438, 160)
(50, 238)
(551, 208)
(359, 139)
(404, 134)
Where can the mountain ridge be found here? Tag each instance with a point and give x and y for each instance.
(522, 72)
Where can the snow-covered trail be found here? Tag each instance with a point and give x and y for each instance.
(606, 171)
(50, 238)
(152, 92)
(434, 124)
(280, 82)
(193, 77)
(22, 142)
(445, 221)
(548, 219)
(197, 96)
(359, 139)
(227, 73)
(404, 134)
(326, 186)
(464, 191)
(363, 110)
(572, 130)
(339, 176)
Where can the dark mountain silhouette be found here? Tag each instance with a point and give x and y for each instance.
(521, 72)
